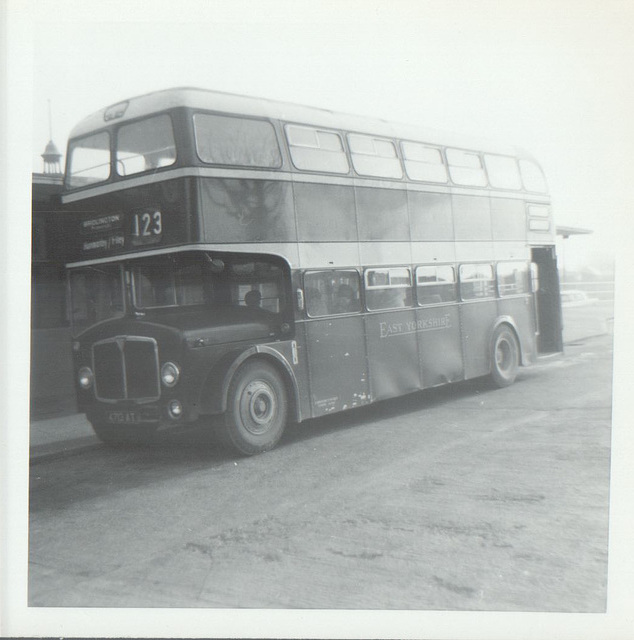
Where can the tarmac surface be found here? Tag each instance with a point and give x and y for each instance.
(460, 498)
(71, 433)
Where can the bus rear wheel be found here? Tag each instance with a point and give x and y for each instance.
(257, 408)
(116, 435)
(505, 357)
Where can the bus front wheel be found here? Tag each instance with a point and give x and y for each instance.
(257, 408)
(505, 357)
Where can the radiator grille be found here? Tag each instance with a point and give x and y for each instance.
(126, 368)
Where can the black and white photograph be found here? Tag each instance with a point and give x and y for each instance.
(316, 319)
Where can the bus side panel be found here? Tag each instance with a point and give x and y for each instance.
(301, 371)
(438, 330)
(325, 212)
(522, 311)
(245, 210)
(430, 216)
(541, 226)
(508, 218)
(336, 364)
(472, 217)
(476, 320)
(382, 214)
(392, 353)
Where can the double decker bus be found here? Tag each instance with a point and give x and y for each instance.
(249, 263)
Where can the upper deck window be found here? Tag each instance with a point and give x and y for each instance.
(374, 157)
(316, 150)
(503, 172)
(465, 167)
(423, 163)
(532, 177)
(89, 160)
(145, 145)
(236, 141)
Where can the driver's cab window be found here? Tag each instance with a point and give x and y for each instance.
(255, 285)
(169, 282)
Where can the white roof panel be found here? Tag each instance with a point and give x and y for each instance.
(287, 112)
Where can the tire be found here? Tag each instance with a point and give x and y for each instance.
(505, 357)
(117, 435)
(257, 408)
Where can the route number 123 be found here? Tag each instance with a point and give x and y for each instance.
(147, 224)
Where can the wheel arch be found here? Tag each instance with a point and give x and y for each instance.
(263, 353)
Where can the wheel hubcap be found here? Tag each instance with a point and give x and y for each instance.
(258, 406)
(503, 356)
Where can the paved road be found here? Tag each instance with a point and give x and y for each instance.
(461, 498)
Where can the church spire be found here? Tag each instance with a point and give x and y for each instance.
(51, 156)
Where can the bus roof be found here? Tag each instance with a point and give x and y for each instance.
(204, 99)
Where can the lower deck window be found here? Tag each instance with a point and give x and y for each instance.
(435, 284)
(388, 288)
(477, 281)
(512, 278)
(331, 292)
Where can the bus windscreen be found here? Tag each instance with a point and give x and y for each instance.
(96, 294)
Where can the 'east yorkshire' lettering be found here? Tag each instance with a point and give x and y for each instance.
(389, 329)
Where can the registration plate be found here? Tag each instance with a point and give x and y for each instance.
(124, 417)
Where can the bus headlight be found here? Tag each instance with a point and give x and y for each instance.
(85, 377)
(170, 373)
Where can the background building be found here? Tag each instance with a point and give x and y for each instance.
(52, 390)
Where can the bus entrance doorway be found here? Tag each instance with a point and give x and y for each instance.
(547, 301)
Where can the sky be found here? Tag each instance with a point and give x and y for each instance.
(552, 77)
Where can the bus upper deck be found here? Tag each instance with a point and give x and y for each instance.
(192, 166)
